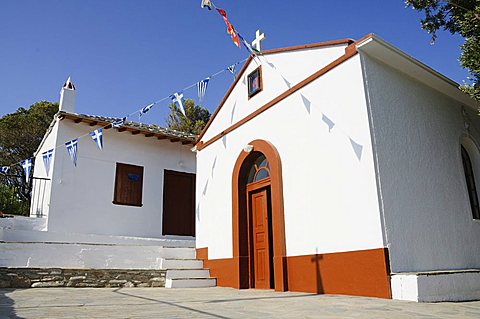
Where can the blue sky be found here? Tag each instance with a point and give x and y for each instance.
(124, 54)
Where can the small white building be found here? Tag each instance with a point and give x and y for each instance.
(140, 184)
(343, 167)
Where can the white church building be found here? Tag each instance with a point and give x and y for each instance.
(342, 167)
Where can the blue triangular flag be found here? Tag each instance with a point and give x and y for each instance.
(27, 167)
(119, 122)
(97, 137)
(247, 45)
(145, 109)
(72, 148)
(47, 159)
(232, 68)
(178, 99)
(202, 88)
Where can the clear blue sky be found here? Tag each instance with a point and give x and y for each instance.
(124, 54)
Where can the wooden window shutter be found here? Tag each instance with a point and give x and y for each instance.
(128, 185)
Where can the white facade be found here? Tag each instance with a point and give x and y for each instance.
(370, 156)
(80, 199)
(326, 183)
(418, 132)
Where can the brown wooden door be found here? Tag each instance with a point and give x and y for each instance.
(178, 203)
(259, 206)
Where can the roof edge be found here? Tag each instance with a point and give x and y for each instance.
(265, 52)
(364, 43)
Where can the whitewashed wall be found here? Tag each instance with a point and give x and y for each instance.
(279, 74)
(40, 203)
(81, 198)
(330, 195)
(417, 132)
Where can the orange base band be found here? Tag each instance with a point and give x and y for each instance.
(358, 273)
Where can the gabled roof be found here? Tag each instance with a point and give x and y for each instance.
(370, 45)
(266, 52)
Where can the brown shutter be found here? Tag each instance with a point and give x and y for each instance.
(178, 203)
(128, 185)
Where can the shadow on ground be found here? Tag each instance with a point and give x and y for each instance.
(7, 305)
(172, 304)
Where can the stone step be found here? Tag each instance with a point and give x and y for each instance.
(181, 264)
(187, 273)
(177, 253)
(191, 283)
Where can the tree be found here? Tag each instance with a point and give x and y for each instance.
(196, 118)
(461, 17)
(20, 135)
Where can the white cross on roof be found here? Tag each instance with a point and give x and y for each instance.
(257, 43)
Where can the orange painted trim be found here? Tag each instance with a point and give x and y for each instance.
(240, 219)
(350, 51)
(358, 273)
(224, 270)
(225, 97)
(309, 46)
(279, 50)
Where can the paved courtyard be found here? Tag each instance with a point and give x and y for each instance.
(212, 303)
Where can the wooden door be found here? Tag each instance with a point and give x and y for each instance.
(259, 207)
(178, 203)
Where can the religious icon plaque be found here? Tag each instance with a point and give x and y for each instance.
(254, 80)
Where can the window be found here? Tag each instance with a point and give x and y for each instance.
(259, 170)
(128, 185)
(470, 179)
(254, 80)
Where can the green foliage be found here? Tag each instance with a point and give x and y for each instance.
(461, 17)
(20, 135)
(11, 202)
(196, 119)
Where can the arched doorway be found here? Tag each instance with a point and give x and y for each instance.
(258, 223)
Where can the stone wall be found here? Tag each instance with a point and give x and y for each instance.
(99, 278)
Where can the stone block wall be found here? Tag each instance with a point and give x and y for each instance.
(93, 278)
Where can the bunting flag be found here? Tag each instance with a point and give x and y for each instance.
(232, 68)
(72, 147)
(357, 148)
(207, 4)
(247, 45)
(119, 122)
(27, 167)
(97, 137)
(4, 169)
(328, 121)
(202, 88)
(47, 159)
(177, 98)
(145, 109)
(230, 28)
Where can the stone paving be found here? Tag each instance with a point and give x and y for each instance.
(213, 303)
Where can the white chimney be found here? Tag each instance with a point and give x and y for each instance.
(67, 97)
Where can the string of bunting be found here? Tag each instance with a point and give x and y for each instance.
(237, 37)
(176, 98)
(97, 135)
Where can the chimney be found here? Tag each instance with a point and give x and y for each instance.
(67, 97)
